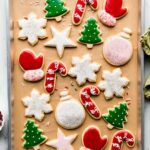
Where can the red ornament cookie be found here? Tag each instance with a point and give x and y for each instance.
(1, 120)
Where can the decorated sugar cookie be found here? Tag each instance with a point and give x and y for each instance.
(32, 29)
(33, 137)
(113, 83)
(84, 69)
(69, 112)
(50, 79)
(88, 103)
(120, 137)
(80, 9)
(36, 105)
(116, 117)
(31, 65)
(1, 120)
(60, 40)
(55, 9)
(93, 140)
(62, 142)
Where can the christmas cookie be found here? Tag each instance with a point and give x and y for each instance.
(113, 83)
(90, 35)
(62, 142)
(93, 140)
(50, 79)
(69, 112)
(80, 8)
(88, 103)
(31, 65)
(60, 40)
(84, 69)
(37, 105)
(55, 9)
(1, 120)
(120, 137)
(33, 137)
(116, 117)
(32, 29)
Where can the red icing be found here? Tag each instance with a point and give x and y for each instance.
(93, 140)
(55, 66)
(1, 119)
(87, 101)
(120, 137)
(28, 60)
(114, 8)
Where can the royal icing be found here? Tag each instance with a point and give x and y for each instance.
(120, 137)
(32, 29)
(90, 35)
(50, 79)
(113, 83)
(80, 9)
(116, 117)
(1, 120)
(93, 140)
(62, 142)
(84, 69)
(60, 40)
(33, 136)
(88, 103)
(69, 112)
(36, 105)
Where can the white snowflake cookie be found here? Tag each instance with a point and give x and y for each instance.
(32, 29)
(113, 83)
(37, 105)
(84, 69)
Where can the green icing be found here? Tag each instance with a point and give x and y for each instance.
(55, 8)
(90, 33)
(117, 115)
(147, 88)
(32, 135)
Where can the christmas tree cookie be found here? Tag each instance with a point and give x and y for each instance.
(33, 136)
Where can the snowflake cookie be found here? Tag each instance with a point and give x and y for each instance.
(37, 105)
(84, 69)
(113, 83)
(32, 29)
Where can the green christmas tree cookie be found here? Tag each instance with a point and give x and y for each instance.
(55, 9)
(33, 136)
(90, 35)
(116, 117)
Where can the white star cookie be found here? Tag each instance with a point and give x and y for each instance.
(113, 83)
(60, 40)
(84, 69)
(32, 29)
(62, 142)
(37, 105)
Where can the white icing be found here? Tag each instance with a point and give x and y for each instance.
(127, 30)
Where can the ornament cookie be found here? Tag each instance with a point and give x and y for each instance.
(50, 79)
(60, 40)
(37, 105)
(80, 9)
(69, 112)
(90, 35)
(84, 69)
(55, 9)
(31, 65)
(93, 140)
(116, 117)
(33, 137)
(62, 142)
(120, 137)
(1, 120)
(113, 83)
(88, 103)
(32, 29)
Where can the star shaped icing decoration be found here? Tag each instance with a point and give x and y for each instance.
(37, 105)
(60, 40)
(32, 29)
(84, 69)
(62, 142)
(113, 83)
